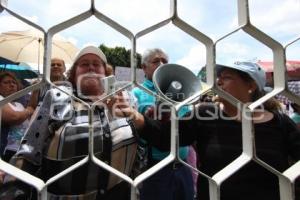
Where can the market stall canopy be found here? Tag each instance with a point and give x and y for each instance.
(293, 68)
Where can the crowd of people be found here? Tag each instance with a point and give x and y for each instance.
(131, 139)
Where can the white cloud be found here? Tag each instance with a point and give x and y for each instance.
(135, 14)
(192, 11)
(73, 40)
(195, 59)
(57, 11)
(278, 17)
(231, 51)
(10, 23)
(233, 48)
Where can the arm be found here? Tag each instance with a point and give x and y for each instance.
(11, 117)
(158, 133)
(293, 138)
(14, 191)
(33, 101)
(155, 132)
(29, 156)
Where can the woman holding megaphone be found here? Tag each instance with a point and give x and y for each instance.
(217, 131)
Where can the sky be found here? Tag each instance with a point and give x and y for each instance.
(280, 19)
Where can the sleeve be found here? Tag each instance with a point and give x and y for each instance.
(293, 134)
(158, 133)
(29, 155)
(143, 100)
(54, 111)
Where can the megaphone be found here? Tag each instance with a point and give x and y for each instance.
(175, 82)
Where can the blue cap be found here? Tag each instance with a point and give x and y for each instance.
(252, 69)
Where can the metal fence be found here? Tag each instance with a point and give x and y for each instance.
(286, 179)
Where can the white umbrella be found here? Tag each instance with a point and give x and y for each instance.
(28, 46)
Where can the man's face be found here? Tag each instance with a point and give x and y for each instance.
(57, 69)
(154, 62)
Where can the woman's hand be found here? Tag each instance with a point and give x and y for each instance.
(29, 111)
(120, 106)
(12, 117)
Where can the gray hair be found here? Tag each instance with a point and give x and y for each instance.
(149, 53)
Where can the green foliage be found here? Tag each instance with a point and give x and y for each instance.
(202, 74)
(119, 56)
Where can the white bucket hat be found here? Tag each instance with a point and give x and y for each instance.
(252, 69)
(90, 50)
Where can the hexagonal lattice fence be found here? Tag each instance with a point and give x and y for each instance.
(286, 179)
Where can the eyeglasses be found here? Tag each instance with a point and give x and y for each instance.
(156, 61)
(86, 64)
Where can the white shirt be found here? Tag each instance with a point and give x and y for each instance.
(16, 132)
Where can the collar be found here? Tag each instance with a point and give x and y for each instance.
(149, 84)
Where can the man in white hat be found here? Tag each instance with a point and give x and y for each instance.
(61, 139)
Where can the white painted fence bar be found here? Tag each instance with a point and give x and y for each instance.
(286, 179)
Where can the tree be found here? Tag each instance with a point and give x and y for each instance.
(119, 56)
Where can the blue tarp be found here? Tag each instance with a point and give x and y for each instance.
(21, 71)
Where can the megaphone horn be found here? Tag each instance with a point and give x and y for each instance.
(175, 82)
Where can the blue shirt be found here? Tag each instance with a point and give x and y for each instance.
(145, 100)
(295, 117)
